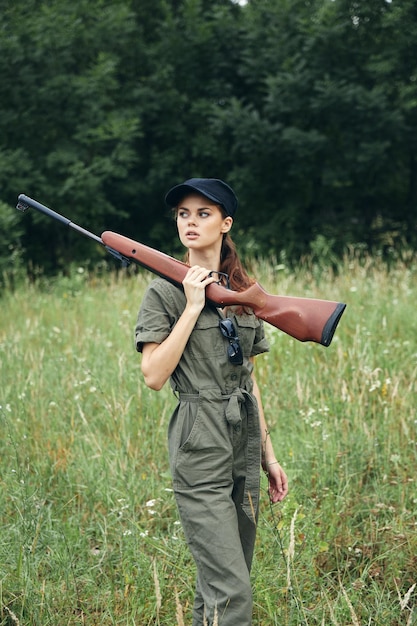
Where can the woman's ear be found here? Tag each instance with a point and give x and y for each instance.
(227, 224)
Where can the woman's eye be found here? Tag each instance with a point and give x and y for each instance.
(185, 214)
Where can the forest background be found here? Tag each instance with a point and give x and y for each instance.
(308, 108)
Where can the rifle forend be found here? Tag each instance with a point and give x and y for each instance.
(305, 319)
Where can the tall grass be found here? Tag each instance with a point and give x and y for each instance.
(89, 528)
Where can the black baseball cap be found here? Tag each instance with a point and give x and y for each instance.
(212, 188)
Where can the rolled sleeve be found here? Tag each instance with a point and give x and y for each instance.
(155, 320)
(144, 336)
(260, 345)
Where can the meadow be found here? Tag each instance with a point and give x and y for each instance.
(89, 527)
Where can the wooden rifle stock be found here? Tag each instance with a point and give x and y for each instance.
(305, 319)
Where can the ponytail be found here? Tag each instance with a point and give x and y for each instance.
(231, 265)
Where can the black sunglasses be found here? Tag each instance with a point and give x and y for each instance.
(234, 351)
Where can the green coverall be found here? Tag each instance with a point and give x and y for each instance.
(214, 449)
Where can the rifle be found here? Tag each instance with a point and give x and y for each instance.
(305, 319)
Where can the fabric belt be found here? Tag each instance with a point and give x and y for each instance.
(233, 416)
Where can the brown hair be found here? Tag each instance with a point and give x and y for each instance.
(231, 265)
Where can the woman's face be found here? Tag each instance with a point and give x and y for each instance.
(201, 223)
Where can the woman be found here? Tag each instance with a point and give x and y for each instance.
(217, 434)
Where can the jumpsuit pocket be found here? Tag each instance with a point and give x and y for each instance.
(204, 449)
(206, 340)
(188, 422)
(204, 425)
(247, 326)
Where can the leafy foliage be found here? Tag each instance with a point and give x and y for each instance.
(309, 109)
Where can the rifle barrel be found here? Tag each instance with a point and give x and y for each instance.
(25, 203)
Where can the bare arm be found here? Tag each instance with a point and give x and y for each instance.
(277, 478)
(160, 360)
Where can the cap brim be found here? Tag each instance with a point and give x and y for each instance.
(175, 194)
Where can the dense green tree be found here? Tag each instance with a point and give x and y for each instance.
(307, 107)
(321, 148)
(192, 74)
(67, 128)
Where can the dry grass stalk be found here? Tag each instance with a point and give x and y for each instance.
(12, 616)
(252, 508)
(353, 615)
(404, 601)
(332, 615)
(178, 610)
(291, 548)
(215, 619)
(158, 595)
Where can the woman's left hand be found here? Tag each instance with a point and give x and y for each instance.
(278, 482)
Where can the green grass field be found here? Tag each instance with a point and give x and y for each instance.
(89, 527)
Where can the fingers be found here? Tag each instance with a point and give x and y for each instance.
(198, 277)
(197, 274)
(195, 283)
(278, 485)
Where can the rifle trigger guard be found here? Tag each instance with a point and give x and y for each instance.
(221, 275)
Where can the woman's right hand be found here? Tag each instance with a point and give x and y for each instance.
(195, 283)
